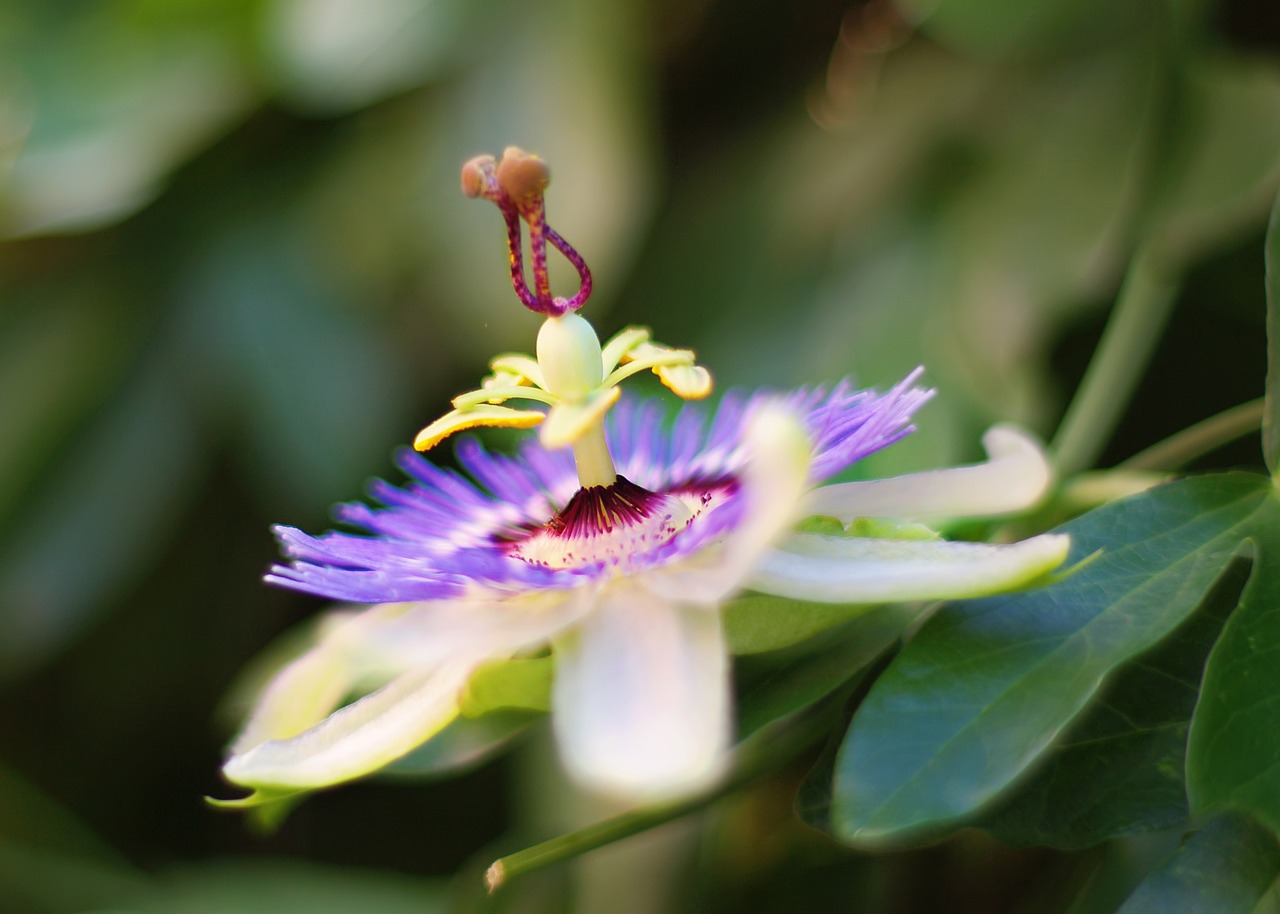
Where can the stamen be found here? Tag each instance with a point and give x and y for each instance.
(480, 179)
(517, 184)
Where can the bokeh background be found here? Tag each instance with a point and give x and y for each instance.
(236, 273)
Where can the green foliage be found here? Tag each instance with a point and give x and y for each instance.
(1233, 759)
(776, 685)
(987, 686)
(236, 273)
(1120, 767)
(1271, 413)
(756, 622)
(1227, 866)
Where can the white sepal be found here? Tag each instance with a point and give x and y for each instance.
(360, 738)
(839, 569)
(1015, 477)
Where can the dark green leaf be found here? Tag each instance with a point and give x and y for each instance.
(49, 861)
(116, 108)
(756, 622)
(1233, 757)
(285, 887)
(1119, 769)
(84, 540)
(50, 882)
(1225, 868)
(1221, 175)
(304, 382)
(777, 685)
(1000, 28)
(1271, 414)
(813, 799)
(987, 686)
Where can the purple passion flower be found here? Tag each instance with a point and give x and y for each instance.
(614, 537)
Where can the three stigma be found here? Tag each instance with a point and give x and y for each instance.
(573, 373)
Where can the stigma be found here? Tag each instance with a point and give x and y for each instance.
(573, 376)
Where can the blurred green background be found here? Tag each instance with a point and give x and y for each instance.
(237, 272)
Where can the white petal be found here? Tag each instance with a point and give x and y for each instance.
(427, 634)
(305, 690)
(360, 738)
(641, 698)
(773, 486)
(1015, 477)
(430, 644)
(835, 569)
(301, 694)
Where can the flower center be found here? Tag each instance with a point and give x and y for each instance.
(606, 525)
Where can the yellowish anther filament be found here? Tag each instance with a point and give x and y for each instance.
(475, 417)
(579, 380)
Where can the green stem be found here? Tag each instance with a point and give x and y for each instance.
(1150, 286)
(1180, 449)
(769, 754)
(1141, 311)
(564, 847)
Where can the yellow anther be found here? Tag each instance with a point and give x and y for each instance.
(474, 417)
(674, 367)
(689, 382)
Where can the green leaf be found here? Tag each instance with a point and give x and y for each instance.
(284, 887)
(1119, 769)
(49, 861)
(60, 348)
(103, 134)
(1233, 757)
(1224, 165)
(1271, 412)
(756, 622)
(338, 57)
(776, 685)
(523, 683)
(1002, 28)
(84, 541)
(987, 686)
(49, 882)
(304, 383)
(1224, 868)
